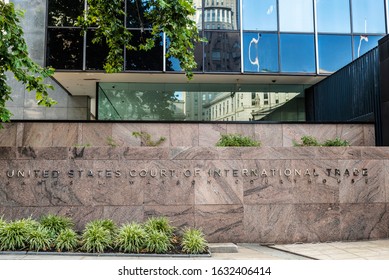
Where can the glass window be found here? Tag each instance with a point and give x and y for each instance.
(334, 52)
(172, 63)
(260, 52)
(147, 102)
(260, 15)
(64, 12)
(135, 14)
(364, 43)
(64, 48)
(368, 16)
(333, 16)
(296, 15)
(297, 53)
(96, 54)
(222, 52)
(151, 60)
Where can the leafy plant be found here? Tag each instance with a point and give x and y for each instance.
(111, 142)
(336, 142)
(39, 239)
(157, 242)
(161, 224)
(55, 224)
(193, 241)
(15, 58)
(67, 240)
(312, 141)
(14, 235)
(131, 238)
(107, 224)
(145, 139)
(96, 239)
(236, 140)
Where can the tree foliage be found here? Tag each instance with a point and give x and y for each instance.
(14, 57)
(171, 17)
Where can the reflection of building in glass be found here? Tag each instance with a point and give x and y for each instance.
(220, 14)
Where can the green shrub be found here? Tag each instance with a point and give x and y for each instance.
(161, 224)
(193, 241)
(39, 239)
(107, 224)
(307, 141)
(236, 140)
(96, 239)
(336, 142)
(131, 238)
(67, 240)
(157, 242)
(14, 235)
(2, 222)
(55, 224)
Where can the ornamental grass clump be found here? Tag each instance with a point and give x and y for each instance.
(236, 140)
(39, 239)
(131, 238)
(67, 240)
(193, 241)
(55, 224)
(158, 242)
(337, 142)
(107, 224)
(14, 235)
(96, 238)
(161, 224)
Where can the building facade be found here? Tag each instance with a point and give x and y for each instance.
(264, 52)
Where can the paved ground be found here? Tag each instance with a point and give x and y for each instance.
(362, 250)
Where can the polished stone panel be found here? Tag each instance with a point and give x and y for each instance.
(38, 134)
(8, 135)
(122, 134)
(184, 135)
(65, 134)
(269, 135)
(180, 216)
(209, 134)
(96, 134)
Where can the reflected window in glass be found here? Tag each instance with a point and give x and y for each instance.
(296, 15)
(260, 52)
(297, 53)
(64, 49)
(333, 16)
(136, 14)
(223, 16)
(334, 52)
(222, 52)
(368, 16)
(64, 12)
(260, 15)
(96, 54)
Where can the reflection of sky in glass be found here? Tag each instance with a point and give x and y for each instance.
(260, 15)
(297, 53)
(334, 52)
(296, 15)
(333, 16)
(260, 52)
(368, 16)
(363, 44)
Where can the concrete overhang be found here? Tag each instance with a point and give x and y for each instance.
(84, 83)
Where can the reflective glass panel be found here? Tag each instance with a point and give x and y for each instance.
(333, 16)
(151, 60)
(96, 54)
(297, 53)
(135, 14)
(334, 52)
(64, 12)
(296, 15)
(173, 64)
(222, 52)
(364, 43)
(368, 16)
(260, 15)
(64, 48)
(221, 15)
(260, 52)
(195, 102)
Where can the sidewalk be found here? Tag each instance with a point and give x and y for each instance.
(361, 250)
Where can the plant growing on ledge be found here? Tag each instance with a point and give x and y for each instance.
(145, 139)
(236, 140)
(312, 141)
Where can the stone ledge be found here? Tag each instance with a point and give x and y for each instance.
(223, 248)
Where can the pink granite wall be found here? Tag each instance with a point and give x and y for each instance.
(271, 194)
(177, 135)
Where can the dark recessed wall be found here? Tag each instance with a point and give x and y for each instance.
(384, 68)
